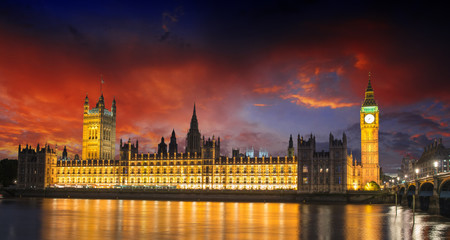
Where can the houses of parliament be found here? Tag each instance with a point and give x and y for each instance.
(200, 166)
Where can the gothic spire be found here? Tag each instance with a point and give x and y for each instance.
(194, 122)
(194, 111)
(369, 99)
(369, 86)
(291, 143)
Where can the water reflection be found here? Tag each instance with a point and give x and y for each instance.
(137, 219)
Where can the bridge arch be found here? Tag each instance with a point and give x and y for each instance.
(444, 198)
(425, 192)
(409, 194)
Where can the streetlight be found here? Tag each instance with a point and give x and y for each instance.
(417, 173)
(435, 166)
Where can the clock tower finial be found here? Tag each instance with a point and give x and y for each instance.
(369, 86)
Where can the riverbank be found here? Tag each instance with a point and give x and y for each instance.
(207, 195)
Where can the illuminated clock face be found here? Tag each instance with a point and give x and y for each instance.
(369, 118)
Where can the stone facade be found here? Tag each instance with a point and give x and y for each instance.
(369, 123)
(201, 166)
(322, 171)
(99, 131)
(36, 167)
(435, 159)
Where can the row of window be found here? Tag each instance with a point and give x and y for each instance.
(94, 155)
(178, 180)
(191, 170)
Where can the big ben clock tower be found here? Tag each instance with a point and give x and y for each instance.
(369, 119)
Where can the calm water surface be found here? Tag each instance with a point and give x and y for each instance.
(138, 219)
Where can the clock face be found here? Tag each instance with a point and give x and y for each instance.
(369, 118)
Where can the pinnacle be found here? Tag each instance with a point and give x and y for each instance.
(369, 85)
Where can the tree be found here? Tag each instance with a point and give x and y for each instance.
(372, 186)
(8, 172)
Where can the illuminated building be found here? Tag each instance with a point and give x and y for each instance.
(201, 166)
(369, 122)
(435, 159)
(99, 130)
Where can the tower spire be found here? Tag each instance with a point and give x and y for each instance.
(194, 122)
(291, 142)
(194, 111)
(193, 139)
(369, 85)
(369, 99)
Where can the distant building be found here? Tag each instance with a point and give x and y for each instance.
(407, 169)
(263, 153)
(250, 152)
(434, 160)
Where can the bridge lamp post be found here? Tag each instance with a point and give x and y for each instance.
(406, 178)
(417, 173)
(435, 167)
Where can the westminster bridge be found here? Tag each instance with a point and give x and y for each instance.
(431, 193)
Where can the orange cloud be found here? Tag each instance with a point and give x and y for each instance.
(310, 102)
(261, 105)
(266, 90)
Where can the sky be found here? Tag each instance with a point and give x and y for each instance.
(257, 72)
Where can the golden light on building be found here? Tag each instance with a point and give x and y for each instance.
(201, 166)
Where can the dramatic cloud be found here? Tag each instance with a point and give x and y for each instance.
(257, 73)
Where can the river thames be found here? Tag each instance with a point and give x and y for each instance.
(140, 219)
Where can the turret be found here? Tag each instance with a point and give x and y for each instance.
(162, 147)
(113, 107)
(344, 139)
(194, 122)
(291, 147)
(193, 139)
(101, 103)
(64, 154)
(173, 146)
(86, 104)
